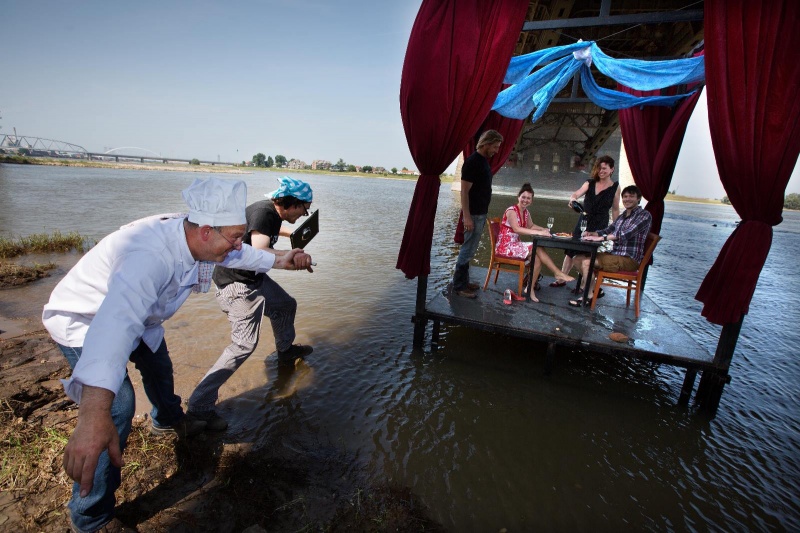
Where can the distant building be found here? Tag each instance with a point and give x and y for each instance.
(407, 172)
(320, 164)
(378, 170)
(296, 164)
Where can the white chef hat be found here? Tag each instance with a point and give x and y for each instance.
(216, 202)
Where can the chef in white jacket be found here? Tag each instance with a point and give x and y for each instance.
(109, 309)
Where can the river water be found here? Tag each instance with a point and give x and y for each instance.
(481, 436)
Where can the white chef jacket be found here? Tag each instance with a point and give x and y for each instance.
(121, 291)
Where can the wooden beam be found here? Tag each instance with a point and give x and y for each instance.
(639, 18)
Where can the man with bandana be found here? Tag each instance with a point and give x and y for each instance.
(246, 296)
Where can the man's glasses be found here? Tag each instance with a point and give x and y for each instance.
(306, 207)
(235, 243)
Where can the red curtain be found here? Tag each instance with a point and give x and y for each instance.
(653, 136)
(456, 59)
(509, 128)
(752, 77)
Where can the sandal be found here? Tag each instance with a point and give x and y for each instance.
(580, 303)
(558, 283)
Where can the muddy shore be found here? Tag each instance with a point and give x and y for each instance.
(202, 484)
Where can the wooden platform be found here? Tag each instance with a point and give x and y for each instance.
(653, 336)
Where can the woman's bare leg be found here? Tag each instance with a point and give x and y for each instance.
(537, 267)
(542, 256)
(567, 266)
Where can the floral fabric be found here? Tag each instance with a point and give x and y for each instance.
(508, 243)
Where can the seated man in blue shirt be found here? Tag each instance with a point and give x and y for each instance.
(628, 233)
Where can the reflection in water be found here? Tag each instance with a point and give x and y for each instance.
(290, 380)
(476, 430)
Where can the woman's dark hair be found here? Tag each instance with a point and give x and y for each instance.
(596, 168)
(526, 187)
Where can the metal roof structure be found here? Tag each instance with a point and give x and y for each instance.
(636, 29)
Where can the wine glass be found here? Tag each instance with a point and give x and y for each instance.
(550, 221)
(583, 225)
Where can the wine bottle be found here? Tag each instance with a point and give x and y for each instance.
(578, 207)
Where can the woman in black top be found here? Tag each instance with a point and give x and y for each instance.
(601, 194)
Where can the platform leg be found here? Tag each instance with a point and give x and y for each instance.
(420, 323)
(550, 358)
(709, 391)
(688, 385)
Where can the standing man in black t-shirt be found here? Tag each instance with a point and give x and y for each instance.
(246, 297)
(476, 193)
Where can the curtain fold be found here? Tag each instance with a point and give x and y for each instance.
(456, 58)
(653, 138)
(752, 77)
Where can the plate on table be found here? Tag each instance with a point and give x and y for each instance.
(562, 235)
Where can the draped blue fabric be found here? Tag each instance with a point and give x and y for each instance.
(516, 102)
(535, 90)
(611, 99)
(650, 75)
(521, 66)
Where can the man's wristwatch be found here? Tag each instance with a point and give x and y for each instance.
(605, 236)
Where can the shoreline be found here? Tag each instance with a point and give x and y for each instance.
(178, 167)
(168, 482)
(54, 162)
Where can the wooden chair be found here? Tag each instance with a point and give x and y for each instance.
(502, 262)
(632, 279)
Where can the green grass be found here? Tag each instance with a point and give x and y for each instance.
(39, 243)
(16, 159)
(27, 452)
(680, 198)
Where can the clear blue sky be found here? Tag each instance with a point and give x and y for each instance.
(308, 79)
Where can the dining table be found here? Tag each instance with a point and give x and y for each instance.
(564, 243)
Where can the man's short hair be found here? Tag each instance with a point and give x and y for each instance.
(632, 189)
(489, 137)
(287, 202)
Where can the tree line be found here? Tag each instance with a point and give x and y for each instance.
(790, 201)
(261, 160)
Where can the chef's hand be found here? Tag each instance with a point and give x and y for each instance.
(94, 433)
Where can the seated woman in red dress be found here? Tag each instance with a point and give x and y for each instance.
(517, 221)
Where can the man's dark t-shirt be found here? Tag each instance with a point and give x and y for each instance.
(263, 218)
(477, 171)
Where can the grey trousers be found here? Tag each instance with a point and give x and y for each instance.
(245, 305)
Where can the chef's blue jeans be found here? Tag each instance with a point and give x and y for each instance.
(97, 508)
(471, 241)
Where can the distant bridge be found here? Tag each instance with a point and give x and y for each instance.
(38, 144)
(40, 147)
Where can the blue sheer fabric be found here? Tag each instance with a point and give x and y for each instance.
(611, 99)
(535, 90)
(521, 66)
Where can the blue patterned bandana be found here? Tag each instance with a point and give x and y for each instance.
(292, 187)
